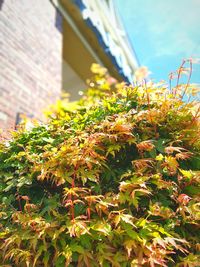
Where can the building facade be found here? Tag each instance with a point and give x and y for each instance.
(48, 47)
(30, 61)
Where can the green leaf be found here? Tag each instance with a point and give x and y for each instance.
(131, 233)
(160, 144)
(60, 261)
(48, 139)
(102, 227)
(77, 248)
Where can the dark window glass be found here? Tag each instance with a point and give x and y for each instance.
(58, 21)
(1, 4)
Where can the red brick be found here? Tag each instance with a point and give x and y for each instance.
(30, 59)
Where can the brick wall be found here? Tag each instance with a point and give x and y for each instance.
(30, 59)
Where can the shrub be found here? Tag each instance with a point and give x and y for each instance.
(110, 180)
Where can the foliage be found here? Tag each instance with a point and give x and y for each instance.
(110, 180)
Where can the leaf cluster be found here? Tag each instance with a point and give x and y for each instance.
(110, 180)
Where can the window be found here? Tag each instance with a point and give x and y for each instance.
(58, 21)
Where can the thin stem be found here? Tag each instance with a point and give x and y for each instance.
(179, 75)
(196, 115)
(19, 202)
(188, 81)
(170, 85)
(148, 99)
(71, 199)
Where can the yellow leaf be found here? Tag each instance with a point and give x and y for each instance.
(172, 162)
(186, 174)
(129, 245)
(97, 69)
(159, 157)
(104, 228)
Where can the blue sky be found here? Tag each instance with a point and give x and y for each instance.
(163, 33)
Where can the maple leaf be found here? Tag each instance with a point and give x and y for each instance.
(184, 155)
(171, 149)
(171, 164)
(127, 185)
(183, 199)
(129, 245)
(187, 173)
(93, 199)
(159, 157)
(77, 228)
(102, 227)
(74, 191)
(118, 216)
(143, 163)
(142, 73)
(140, 190)
(145, 146)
